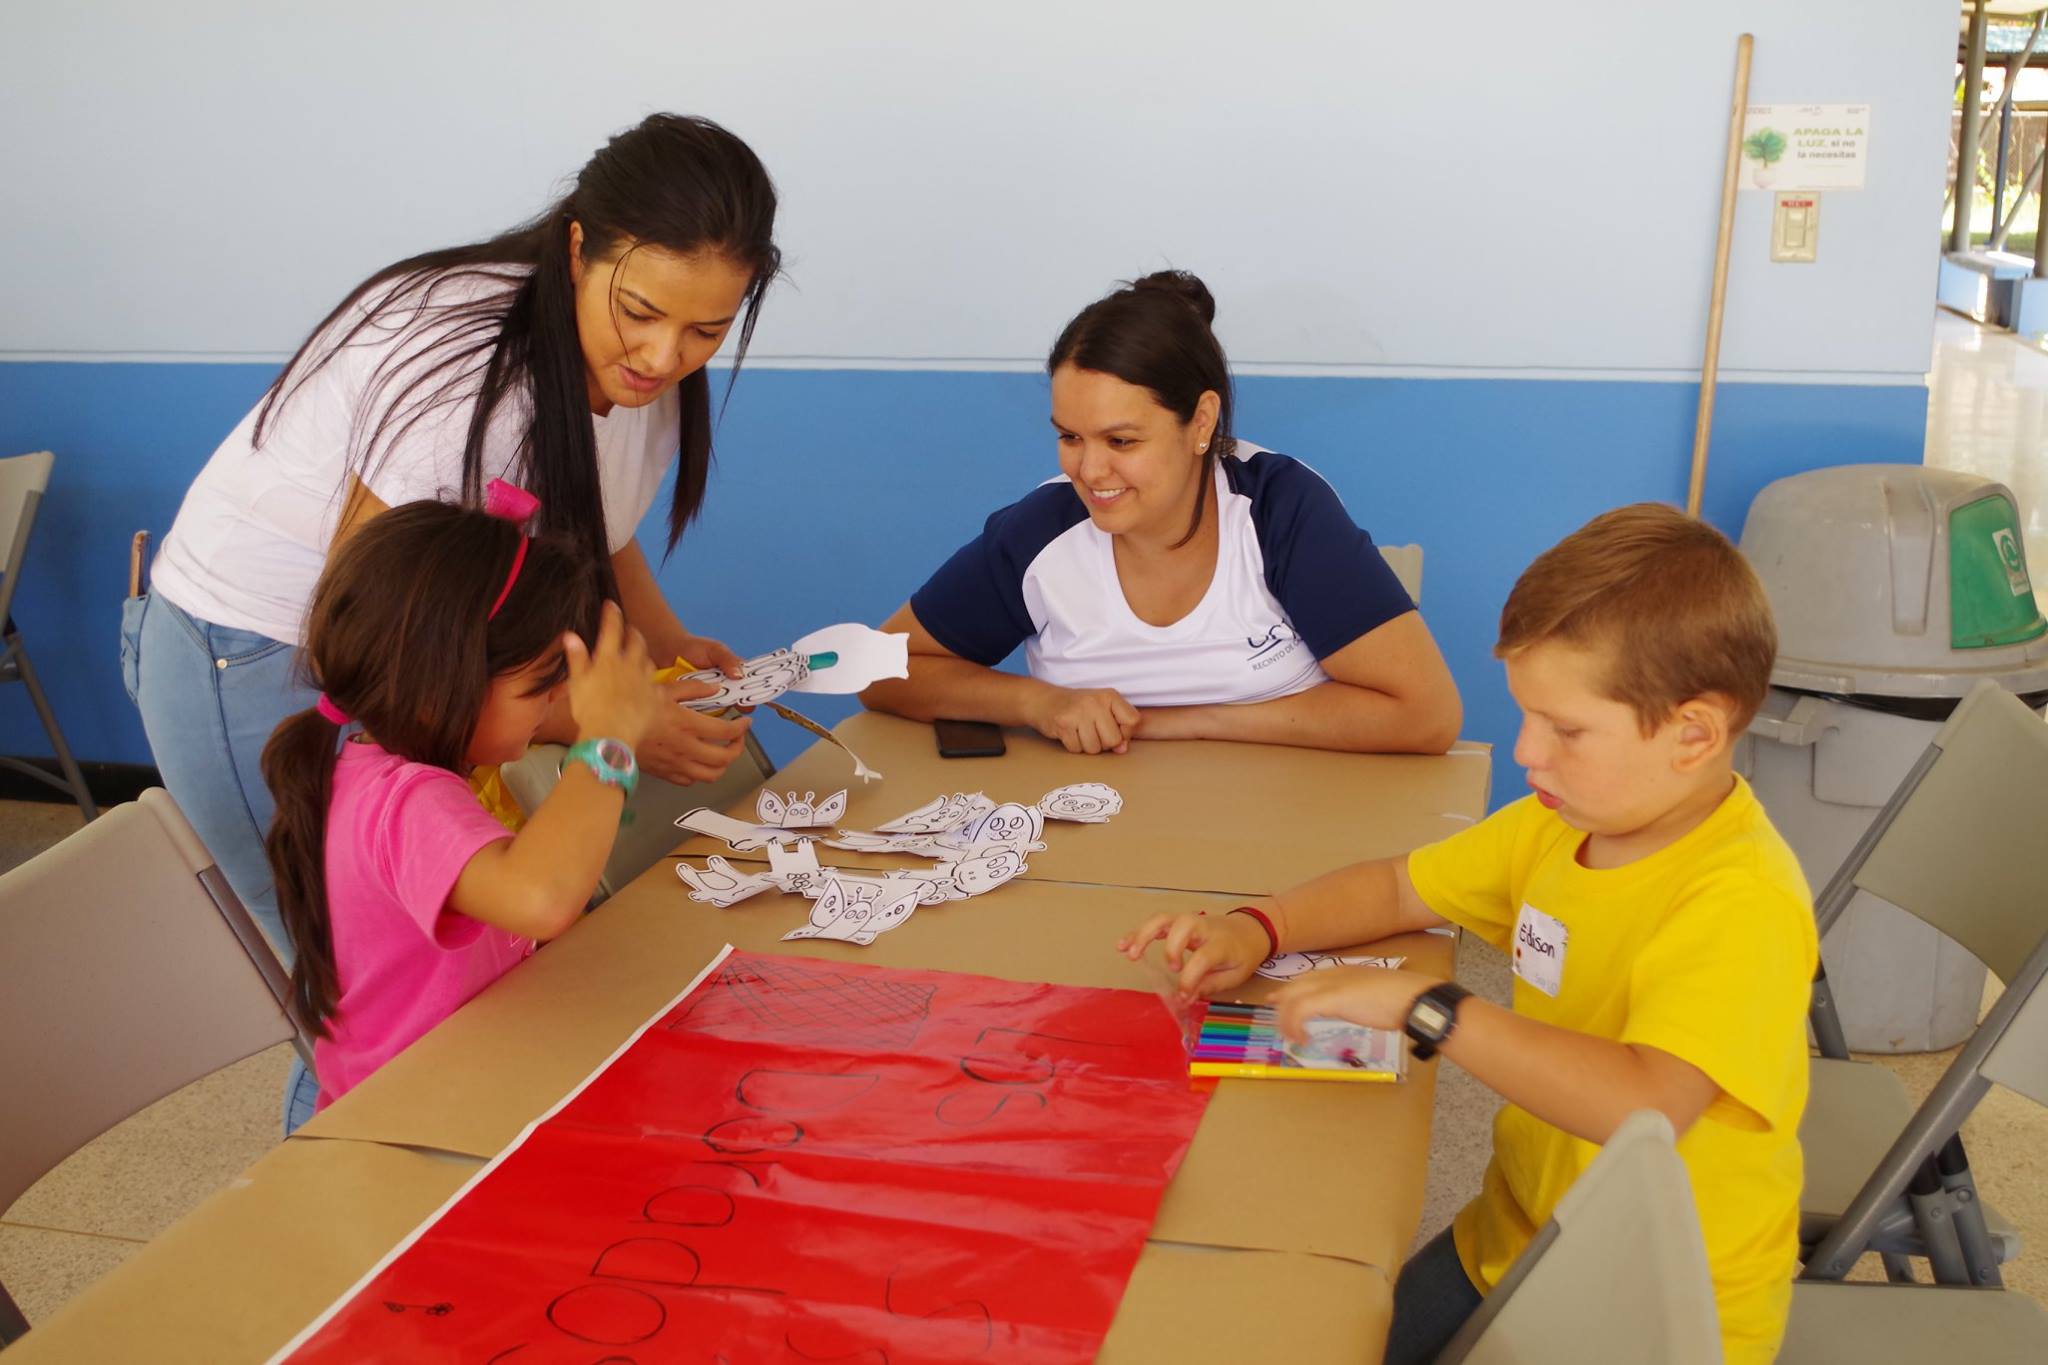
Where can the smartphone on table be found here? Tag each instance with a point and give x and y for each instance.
(968, 739)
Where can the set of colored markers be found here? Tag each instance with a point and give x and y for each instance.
(1244, 1041)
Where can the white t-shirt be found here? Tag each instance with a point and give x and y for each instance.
(1296, 580)
(251, 536)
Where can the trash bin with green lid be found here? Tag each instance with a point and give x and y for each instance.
(1896, 589)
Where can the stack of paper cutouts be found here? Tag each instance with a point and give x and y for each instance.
(974, 845)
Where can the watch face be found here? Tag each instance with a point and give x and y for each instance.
(1430, 1017)
(614, 754)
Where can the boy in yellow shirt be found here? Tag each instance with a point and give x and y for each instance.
(1661, 933)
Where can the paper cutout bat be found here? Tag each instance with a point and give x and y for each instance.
(843, 658)
(1287, 966)
(805, 813)
(837, 915)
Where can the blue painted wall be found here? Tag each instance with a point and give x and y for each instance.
(836, 491)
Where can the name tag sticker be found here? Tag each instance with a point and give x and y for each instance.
(1539, 950)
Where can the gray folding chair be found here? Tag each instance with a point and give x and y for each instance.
(650, 833)
(1960, 846)
(23, 479)
(1618, 1276)
(1892, 1324)
(1406, 562)
(132, 970)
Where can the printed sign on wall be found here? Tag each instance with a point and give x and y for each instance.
(1805, 146)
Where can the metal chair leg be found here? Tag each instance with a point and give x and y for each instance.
(72, 776)
(1980, 1257)
(13, 1326)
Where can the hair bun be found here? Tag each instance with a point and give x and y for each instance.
(1186, 287)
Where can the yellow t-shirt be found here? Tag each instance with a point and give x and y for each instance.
(1705, 949)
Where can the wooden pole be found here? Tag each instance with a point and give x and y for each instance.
(1710, 369)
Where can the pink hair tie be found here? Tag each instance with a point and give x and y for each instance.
(326, 707)
(509, 502)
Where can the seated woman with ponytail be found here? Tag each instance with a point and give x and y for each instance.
(1175, 583)
(440, 638)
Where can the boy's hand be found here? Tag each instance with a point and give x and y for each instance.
(612, 693)
(1092, 720)
(1372, 996)
(1208, 953)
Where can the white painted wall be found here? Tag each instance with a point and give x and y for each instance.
(1367, 186)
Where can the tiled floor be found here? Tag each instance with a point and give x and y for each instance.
(1988, 413)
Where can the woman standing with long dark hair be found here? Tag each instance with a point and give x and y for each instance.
(565, 356)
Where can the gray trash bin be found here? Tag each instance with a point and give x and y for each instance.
(1896, 589)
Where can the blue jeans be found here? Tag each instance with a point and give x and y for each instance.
(1432, 1299)
(210, 696)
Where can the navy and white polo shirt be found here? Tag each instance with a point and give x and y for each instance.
(1296, 580)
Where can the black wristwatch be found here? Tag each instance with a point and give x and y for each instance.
(1432, 1017)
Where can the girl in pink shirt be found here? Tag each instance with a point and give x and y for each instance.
(445, 635)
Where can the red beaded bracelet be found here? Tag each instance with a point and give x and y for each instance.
(1272, 937)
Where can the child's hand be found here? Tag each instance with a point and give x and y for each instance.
(1208, 953)
(1372, 996)
(612, 692)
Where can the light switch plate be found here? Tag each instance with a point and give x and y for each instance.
(1795, 225)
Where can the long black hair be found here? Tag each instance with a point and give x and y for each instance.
(401, 637)
(494, 322)
(1156, 333)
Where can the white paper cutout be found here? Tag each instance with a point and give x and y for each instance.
(1010, 825)
(805, 812)
(783, 862)
(981, 873)
(764, 678)
(939, 814)
(837, 915)
(910, 845)
(740, 836)
(804, 722)
(1287, 966)
(888, 885)
(1088, 803)
(866, 656)
(720, 884)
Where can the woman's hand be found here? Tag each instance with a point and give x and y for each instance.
(685, 746)
(612, 693)
(1207, 953)
(704, 652)
(1372, 996)
(1091, 720)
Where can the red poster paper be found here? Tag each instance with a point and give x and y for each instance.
(803, 1161)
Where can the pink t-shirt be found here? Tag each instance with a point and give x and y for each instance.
(398, 836)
